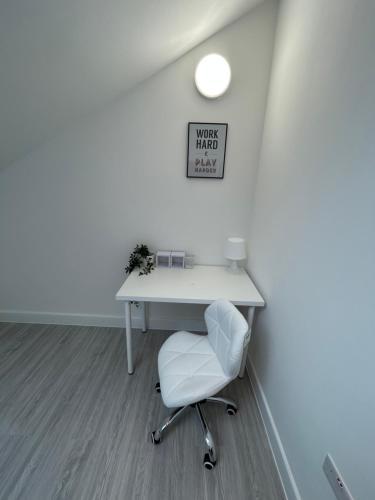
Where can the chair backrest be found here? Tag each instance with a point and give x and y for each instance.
(227, 329)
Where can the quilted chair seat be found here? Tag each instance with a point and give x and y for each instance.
(189, 370)
(193, 367)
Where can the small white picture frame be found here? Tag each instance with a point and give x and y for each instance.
(163, 258)
(178, 259)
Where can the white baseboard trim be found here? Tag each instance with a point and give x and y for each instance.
(192, 324)
(174, 324)
(281, 460)
(39, 317)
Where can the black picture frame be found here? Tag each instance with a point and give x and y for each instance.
(220, 154)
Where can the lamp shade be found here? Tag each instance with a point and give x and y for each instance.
(235, 249)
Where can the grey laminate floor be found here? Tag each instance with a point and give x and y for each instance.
(74, 425)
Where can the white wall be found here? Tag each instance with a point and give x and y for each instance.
(71, 212)
(313, 243)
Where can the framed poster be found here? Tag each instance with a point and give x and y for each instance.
(206, 150)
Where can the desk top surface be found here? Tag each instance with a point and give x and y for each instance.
(200, 285)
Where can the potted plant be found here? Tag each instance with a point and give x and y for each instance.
(141, 258)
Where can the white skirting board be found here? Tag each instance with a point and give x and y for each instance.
(281, 460)
(192, 324)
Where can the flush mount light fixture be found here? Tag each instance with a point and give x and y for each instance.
(212, 76)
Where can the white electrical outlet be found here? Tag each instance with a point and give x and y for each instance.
(335, 479)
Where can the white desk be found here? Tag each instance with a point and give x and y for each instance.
(200, 285)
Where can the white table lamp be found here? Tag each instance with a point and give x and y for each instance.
(235, 250)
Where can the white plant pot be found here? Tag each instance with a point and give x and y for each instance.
(150, 258)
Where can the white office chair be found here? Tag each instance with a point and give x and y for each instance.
(193, 368)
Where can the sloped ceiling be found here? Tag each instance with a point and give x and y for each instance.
(59, 59)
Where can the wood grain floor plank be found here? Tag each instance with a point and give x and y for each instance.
(74, 425)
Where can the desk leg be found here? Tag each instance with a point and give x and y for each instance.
(144, 307)
(250, 318)
(128, 325)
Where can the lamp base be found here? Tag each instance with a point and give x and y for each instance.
(234, 267)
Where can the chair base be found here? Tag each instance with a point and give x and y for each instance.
(210, 457)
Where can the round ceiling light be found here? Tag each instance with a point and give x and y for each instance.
(212, 76)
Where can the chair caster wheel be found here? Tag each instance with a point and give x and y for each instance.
(155, 441)
(231, 410)
(208, 463)
(157, 387)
